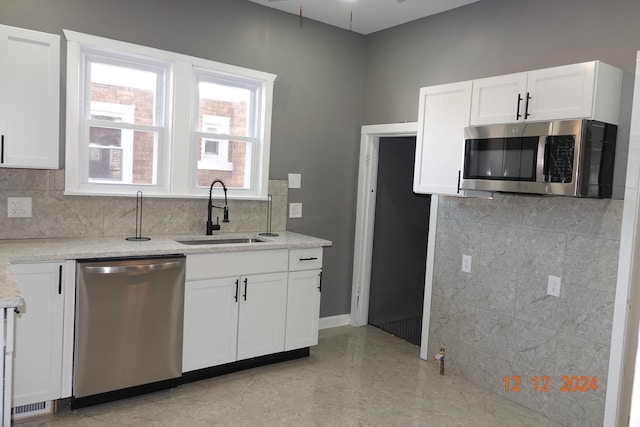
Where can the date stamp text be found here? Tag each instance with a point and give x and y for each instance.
(544, 384)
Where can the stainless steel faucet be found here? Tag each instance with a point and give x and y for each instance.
(225, 216)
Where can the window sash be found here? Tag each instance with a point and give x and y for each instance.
(155, 181)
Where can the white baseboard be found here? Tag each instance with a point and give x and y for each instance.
(334, 321)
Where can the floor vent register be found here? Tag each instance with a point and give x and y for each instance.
(32, 410)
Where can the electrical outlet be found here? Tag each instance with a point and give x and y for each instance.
(19, 207)
(295, 210)
(466, 263)
(553, 286)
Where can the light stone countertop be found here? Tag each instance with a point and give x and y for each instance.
(59, 249)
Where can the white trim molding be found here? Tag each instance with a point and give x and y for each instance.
(365, 215)
(334, 321)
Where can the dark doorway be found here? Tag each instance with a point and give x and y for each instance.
(399, 244)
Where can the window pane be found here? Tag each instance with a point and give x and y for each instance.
(234, 169)
(145, 157)
(224, 102)
(105, 164)
(122, 156)
(211, 148)
(124, 86)
(105, 136)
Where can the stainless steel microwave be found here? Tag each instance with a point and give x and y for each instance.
(562, 157)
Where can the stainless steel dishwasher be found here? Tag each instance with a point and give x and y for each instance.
(129, 317)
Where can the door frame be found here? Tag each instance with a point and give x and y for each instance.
(365, 218)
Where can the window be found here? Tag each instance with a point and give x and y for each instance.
(226, 120)
(167, 124)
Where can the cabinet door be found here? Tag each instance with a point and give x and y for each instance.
(500, 99)
(29, 98)
(303, 309)
(210, 323)
(561, 92)
(37, 374)
(261, 324)
(443, 115)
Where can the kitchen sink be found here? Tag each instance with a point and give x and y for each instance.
(221, 241)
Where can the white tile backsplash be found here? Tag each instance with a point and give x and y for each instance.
(500, 316)
(57, 215)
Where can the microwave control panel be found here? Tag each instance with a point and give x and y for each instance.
(559, 153)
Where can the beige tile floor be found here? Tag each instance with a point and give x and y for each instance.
(354, 377)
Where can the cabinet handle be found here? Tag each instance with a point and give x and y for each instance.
(458, 191)
(60, 279)
(237, 286)
(518, 115)
(308, 259)
(320, 282)
(245, 288)
(526, 107)
(2, 149)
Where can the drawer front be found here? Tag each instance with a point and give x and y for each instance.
(305, 259)
(225, 264)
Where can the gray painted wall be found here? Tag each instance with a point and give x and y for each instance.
(317, 99)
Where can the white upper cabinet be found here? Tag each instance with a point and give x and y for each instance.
(498, 99)
(29, 99)
(588, 90)
(442, 116)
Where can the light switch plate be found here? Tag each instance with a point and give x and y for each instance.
(295, 180)
(295, 210)
(466, 263)
(553, 286)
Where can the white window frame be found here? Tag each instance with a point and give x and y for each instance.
(175, 171)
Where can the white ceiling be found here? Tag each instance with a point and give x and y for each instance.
(369, 16)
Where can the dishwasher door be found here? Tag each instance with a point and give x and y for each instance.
(129, 317)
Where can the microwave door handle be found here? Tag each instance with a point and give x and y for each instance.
(541, 168)
(546, 171)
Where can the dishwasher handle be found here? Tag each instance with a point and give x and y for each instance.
(132, 269)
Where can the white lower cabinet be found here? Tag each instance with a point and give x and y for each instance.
(233, 318)
(210, 323)
(303, 298)
(303, 309)
(240, 305)
(261, 320)
(235, 307)
(43, 348)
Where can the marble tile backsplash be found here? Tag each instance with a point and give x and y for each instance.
(57, 215)
(498, 320)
